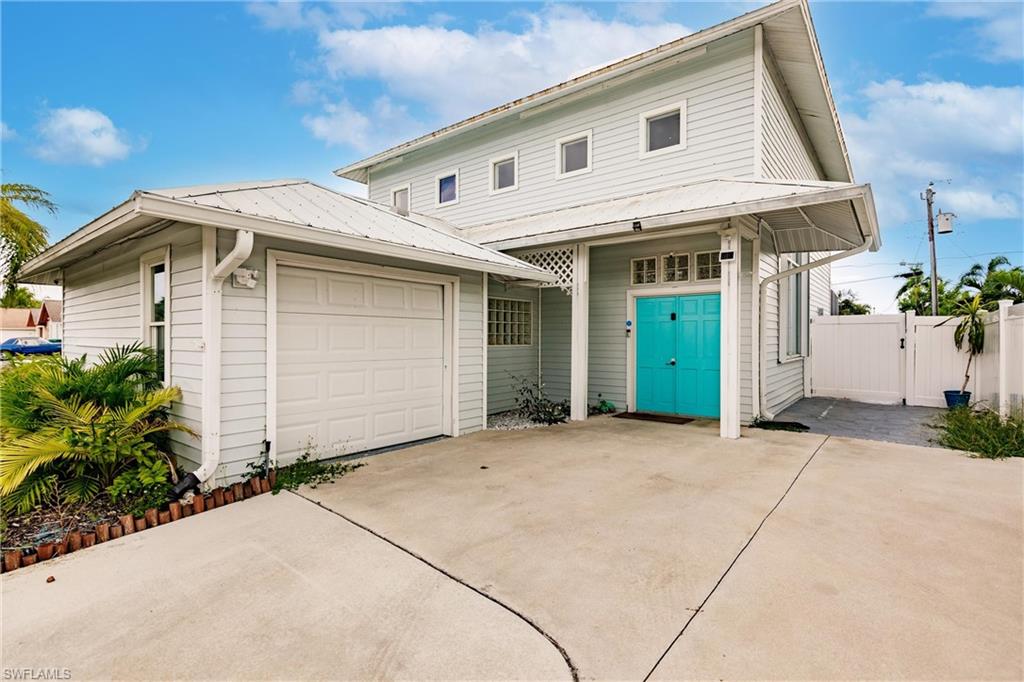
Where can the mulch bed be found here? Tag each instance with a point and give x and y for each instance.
(43, 535)
(650, 417)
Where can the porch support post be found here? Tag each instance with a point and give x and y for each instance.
(580, 331)
(729, 368)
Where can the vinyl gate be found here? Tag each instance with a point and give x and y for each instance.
(911, 359)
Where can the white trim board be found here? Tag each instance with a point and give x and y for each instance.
(450, 284)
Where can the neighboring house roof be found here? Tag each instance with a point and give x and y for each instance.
(15, 318)
(805, 215)
(789, 35)
(291, 209)
(50, 311)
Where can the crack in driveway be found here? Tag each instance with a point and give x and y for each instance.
(573, 671)
(732, 563)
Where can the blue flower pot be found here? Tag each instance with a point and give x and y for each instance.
(957, 398)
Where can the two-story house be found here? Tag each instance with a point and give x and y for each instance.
(656, 233)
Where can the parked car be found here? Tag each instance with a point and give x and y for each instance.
(29, 345)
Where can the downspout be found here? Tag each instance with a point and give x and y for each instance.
(766, 413)
(213, 289)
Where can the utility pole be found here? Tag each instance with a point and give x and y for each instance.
(928, 196)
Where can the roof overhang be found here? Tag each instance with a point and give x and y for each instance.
(789, 34)
(145, 212)
(830, 217)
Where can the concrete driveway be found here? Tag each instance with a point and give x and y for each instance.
(632, 549)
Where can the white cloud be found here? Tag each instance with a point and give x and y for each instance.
(455, 73)
(913, 133)
(341, 124)
(80, 136)
(997, 27)
(7, 132)
(297, 15)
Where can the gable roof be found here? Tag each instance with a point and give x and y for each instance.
(789, 35)
(51, 310)
(15, 318)
(291, 209)
(806, 215)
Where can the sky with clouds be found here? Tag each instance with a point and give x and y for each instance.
(99, 99)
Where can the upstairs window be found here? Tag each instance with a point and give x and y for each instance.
(708, 265)
(154, 268)
(663, 130)
(400, 200)
(448, 188)
(509, 322)
(505, 173)
(644, 270)
(574, 154)
(675, 267)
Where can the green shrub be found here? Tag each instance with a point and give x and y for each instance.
(982, 432)
(68, 430)
(535, 405)
(306, 470)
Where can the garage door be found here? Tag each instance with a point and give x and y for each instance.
(360, 361)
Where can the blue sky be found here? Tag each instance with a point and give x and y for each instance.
(99, 99)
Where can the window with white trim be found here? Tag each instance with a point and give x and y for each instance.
(675, 267)
(447, 190)
(708, 265)
(504, 173)
(663, 130)
(644, 270)
(400, 199)
(154, 271)
(574, 154)
(793, 306)
(509, 322)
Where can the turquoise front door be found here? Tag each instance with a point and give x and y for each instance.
(677, 354)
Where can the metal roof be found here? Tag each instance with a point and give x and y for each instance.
(296, 209)
(808, 215)
(790, 37)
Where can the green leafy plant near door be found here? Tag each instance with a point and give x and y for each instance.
(534, 404)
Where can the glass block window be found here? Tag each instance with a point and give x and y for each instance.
(509, 322)
(675, 267)
(708, 265)
(645, 270)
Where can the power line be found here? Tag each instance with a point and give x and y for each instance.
(976, 255)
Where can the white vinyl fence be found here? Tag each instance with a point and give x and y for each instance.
(911, 359)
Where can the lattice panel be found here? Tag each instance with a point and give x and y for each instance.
(557, 261)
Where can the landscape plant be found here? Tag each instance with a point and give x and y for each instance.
(75, 431)
(970, 331)
(308, 469)
(534, 404)
(982, 432)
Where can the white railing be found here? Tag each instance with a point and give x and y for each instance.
(912, 359)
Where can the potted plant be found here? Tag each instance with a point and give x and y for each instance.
(970, 330)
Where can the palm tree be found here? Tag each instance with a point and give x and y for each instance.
(986, 281)
(21, 238)
(915, 294)
(1012, 283)
(970, 328)
(848, 304)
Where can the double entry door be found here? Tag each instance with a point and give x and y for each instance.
(678, 354)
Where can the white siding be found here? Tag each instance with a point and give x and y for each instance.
(784, 381)
(555, 343)
(820, 281)
(243, 406)
(507, 363)
(102, 308)
(719, 92)
(784, 148)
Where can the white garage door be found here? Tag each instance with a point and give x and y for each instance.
(360, 361)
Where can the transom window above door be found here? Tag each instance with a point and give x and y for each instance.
(663, 130)
(447, 188)
(644, 270)
(708, 265)
(509, 322)
(675, 267)
(574, 154)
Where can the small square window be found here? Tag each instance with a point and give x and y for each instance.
(447, 188)
(400, 200)
(645, 270)
(509, 322)
(708, 265)
(676, 267)
(574, 154)
(504, 173)
(663, 130)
